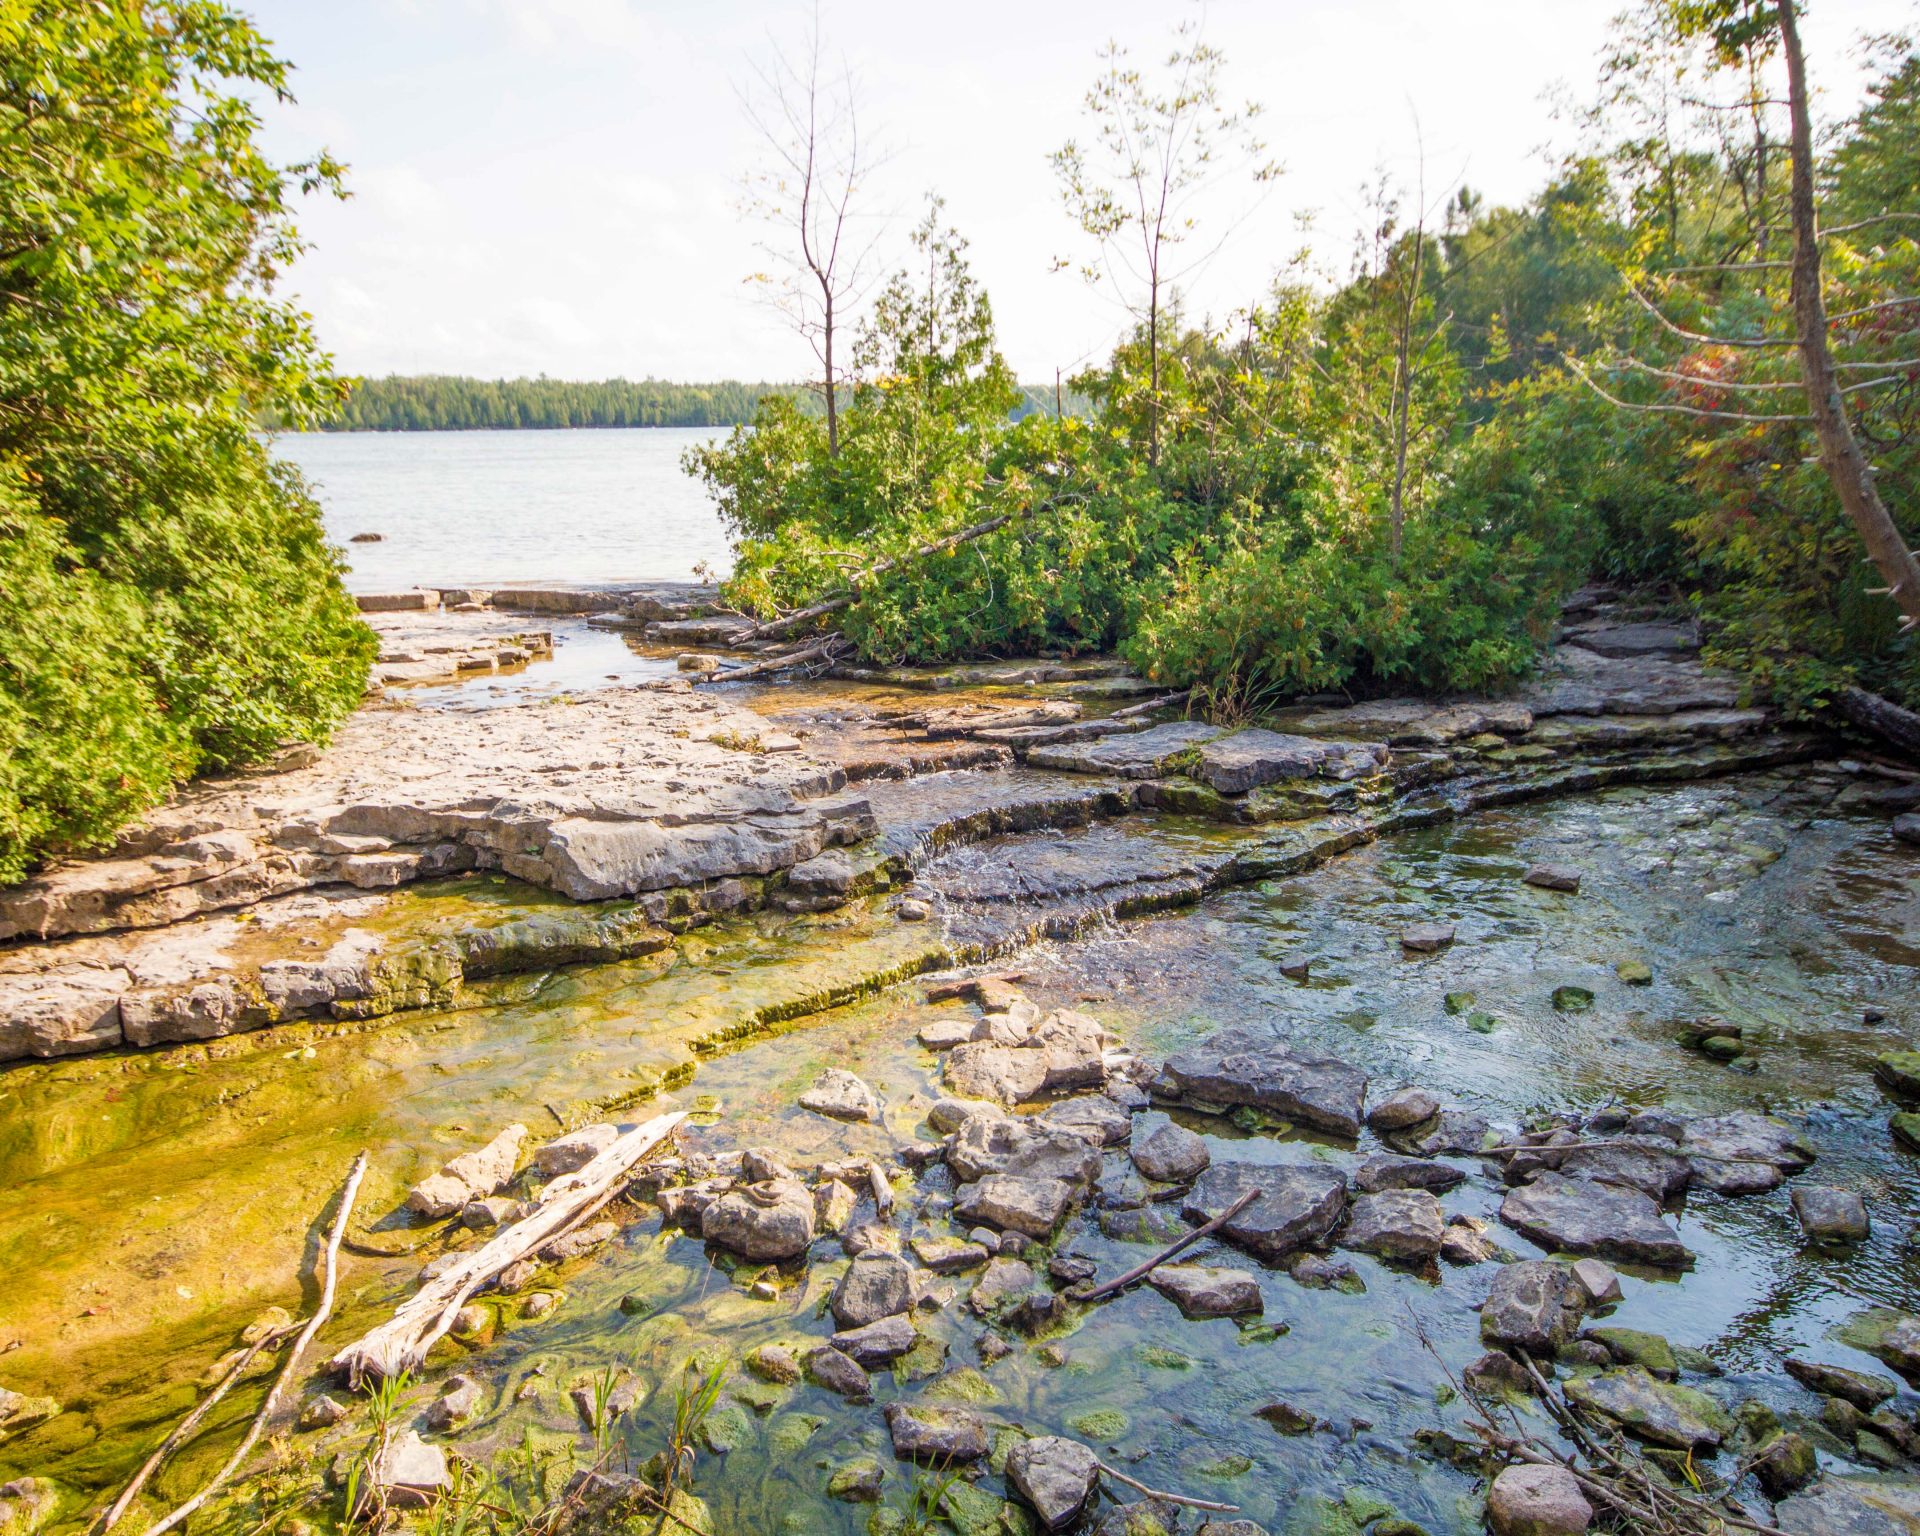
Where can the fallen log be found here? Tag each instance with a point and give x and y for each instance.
(401, 1343)
(1137, 1486)
(1179, 1245)
(330, 1262)
(1881, 717)
(826, 650)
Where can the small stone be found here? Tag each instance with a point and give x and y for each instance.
(868, 1236)
(1635, 973)
(573, 1151)
(945, 1034)
(1496, 1372)
(1172, 1154)
(1030, 1206)
(577, 1244)
(1297, 967)
(857, 1482)
(1572, 999)
(1598, 1281)
(839, 1373)
(874, 1286)
(760, 1164)
(1529, 1500)
(1656, 1411)
(1532, 1306)
(409, 1473)
(949, 1255)
(1785, 1464)
(517, 1276)
(840, 1095)
(492, 1211)
(943, 1436)
(833, 1206)
(1005, 1278)
(1400, 1111)
(473, 1323)
(1203, 1291)
(1287, 1419)
(1424, 938)
(772, 1363)
(322, 1412)
(1829, 1215)
(1466, 1242)
(458, 1401)
(538, 1305)
(877, 1343)
(1318, 1274)
(1553, 877)
(911, 909)
(1055, 1475)
(1635, 1346)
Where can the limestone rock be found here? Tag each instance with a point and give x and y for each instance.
(877, 1343)
(1202, 1291)
(1249, 759)
(1425, 938)
(581, 1241)
(1646, 1163)
(1172, 1154)
(1386, 1171)
(1055, 1475)
(945, 1034)
(1399, 1111)
(840, 1373)
(762, 1221)
(1298, 1204)
(1569, 1216)
(1597, 1282)
(1004, 1279)
(1529, 1500)
(411, 1473)
(1654, 1410)
(1030, 1206)
(948, 1115)
(1830, 1215)
(934, 1433)
(1002, 1073)
(459, 1400)
(950, 1255)
(1553, 877)
(874, 1285)
(1533, 1306)
(841, 1096)
(1139, 755)
(322, 1412)
(1396, 1224)
(1026, 1148)
(469, 1176)
(833, 1206)
(1848, 1506)
(573, 1151)
(1095, 1119)
(1257, 1068)
(1743, 1152)
(1465, 1241)
(770, 1362)
(1866, 1392)
(1451, 1133)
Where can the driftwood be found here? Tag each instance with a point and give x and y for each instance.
(1881, 717)
(825, 650)
(1166, 1498)
(1179, 1245)
(401, 1343)
(330, 1268)
(882, 1190)
(1148, 706)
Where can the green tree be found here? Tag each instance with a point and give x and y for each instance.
(167, 598)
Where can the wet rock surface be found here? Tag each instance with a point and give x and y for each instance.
(1296, 1205)
(1575, 1216)
(1262, 1071)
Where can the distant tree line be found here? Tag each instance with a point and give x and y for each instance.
(439, 402)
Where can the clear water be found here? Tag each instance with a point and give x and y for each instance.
(473, 508)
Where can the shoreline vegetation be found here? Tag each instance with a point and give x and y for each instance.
(451, 403)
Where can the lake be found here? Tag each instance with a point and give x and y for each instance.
(473, 508)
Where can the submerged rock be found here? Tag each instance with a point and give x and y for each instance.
(1656, 1411)
(1202, 1291)
(1852, 1506)
(1424, 938)
(841, 1096)
(1646, 1163)
(1257, 1068)
(1573, 1216)
(573, 1151)
(766, 1221)
(1297, 1204)
(459, 1400)
(1055, 1475)
(874, 1285)
(839, 1373)
(409, 1473)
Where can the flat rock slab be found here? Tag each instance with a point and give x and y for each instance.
(1256, 1067)
(1852, 1506)
(935, 1433)
(1415, 722)
(839, 1095)
(1299, 1204)
(1656, 1411)
(1201, 1290)
(1249, 759)
(1533, 1305)
(1575, 1216)
(1396, 1224)
(1744, 1153)
(1140, 755)
(1033, 1207)
(1027, 1148)
(1056, 1476)
(1642, 639)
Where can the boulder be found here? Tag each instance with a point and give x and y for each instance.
(1075, 1047)
(766, 1221)
(573, 1151)
(837, 1373)
(1829, 1215)
(1172, 1154)
(1553, 877)
(1097, 1120)
(1255, 1067)
(1866, 1392)
(1030, 1206)
(1396, 1224)
(1298, 1204)
(1022, 1148)
(935, 1433)
(1528, 1500)
(1006, 1074)
(1906, 827)
(1659, 1412)
(1646, 1163)
(1744, 1152)
(1201, 1290)
(1056, 1476)
(874, 1285)
(1849, 1506)
(1402, 1110)
(877, 1343)
(840, 1095)
(469, 1176)
(1387, 1171)
(1571, 1216)
(759, 1164)
(1534, 1306)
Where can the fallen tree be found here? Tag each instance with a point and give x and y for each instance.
(401, 1343)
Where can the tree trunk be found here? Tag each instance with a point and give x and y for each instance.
(1153, 371)
(1840, 452)
(833, 407)
(1881, 717)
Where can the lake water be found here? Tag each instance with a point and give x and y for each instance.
(473, 508)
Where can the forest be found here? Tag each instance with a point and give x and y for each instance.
(448, 403)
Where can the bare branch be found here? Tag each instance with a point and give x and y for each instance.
(1666, 408)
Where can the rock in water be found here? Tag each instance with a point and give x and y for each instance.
(1396, 1224)
(1030, 1206)
(1864, 1391)
(1744, 1153)
(1257, 1068)
(1028, 1149)
(841, 1096)
(762, 1221)
(1403, 1110)
(1850, 1506)
(1425, 938)
(1646, 1163)
(877, 1343)
(1657, 1411)
(1533, 1306)
(1202, 1291)
(572, 1152)
(1097, 1120)
(1055, 1475)
(837, 1373)
(875, 1285)
(1298, 1204)
(1907, 827)
(469, 1176)
(1386, 1171)
(1829, 1215)
(458, 1401)
(411, 1473)
(1530, 1500)
(1553, 877)
(1576, 1217)
(933, 1433)
(1172, 1155)
(1006, 1074)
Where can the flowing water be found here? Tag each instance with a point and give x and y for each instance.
(571, 507)
(157, 1202)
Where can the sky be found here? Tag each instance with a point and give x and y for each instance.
(555, 186)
